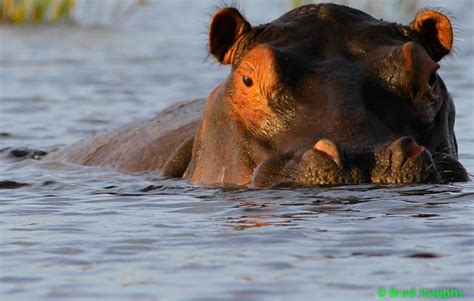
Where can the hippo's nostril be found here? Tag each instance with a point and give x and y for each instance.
(412, 149)
(405, 148)
(328, 148)
(432, 79)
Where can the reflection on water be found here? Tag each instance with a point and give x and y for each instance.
(76, 233)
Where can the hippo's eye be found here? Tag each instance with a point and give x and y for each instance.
(247, 81)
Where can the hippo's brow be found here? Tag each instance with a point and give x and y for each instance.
(249, 42)
(248, 68)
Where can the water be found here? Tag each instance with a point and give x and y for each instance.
(81, 233)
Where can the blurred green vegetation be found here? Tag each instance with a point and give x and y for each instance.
(57, 11)
(36, 11)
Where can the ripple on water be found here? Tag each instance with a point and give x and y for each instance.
(80, 233)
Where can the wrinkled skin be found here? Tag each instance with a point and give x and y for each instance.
(324, 95)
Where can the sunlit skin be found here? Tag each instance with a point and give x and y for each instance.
(324, 95)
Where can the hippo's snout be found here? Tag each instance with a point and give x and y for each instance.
(404, 162)
(326, 164)
(401, 162)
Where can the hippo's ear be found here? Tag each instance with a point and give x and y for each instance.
(436, 33)
(227, 26)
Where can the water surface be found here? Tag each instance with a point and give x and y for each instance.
(80, 233)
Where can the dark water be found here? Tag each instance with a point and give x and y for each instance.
(79, 233)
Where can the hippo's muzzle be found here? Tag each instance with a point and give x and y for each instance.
(400, 162)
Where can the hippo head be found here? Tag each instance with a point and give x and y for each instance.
(327, 95)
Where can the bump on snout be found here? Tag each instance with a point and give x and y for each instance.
(404, 162)
(330, 149)
(324, 165)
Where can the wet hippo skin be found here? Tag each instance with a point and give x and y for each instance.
(323, 95)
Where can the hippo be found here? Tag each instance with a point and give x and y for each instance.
(323, 95)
